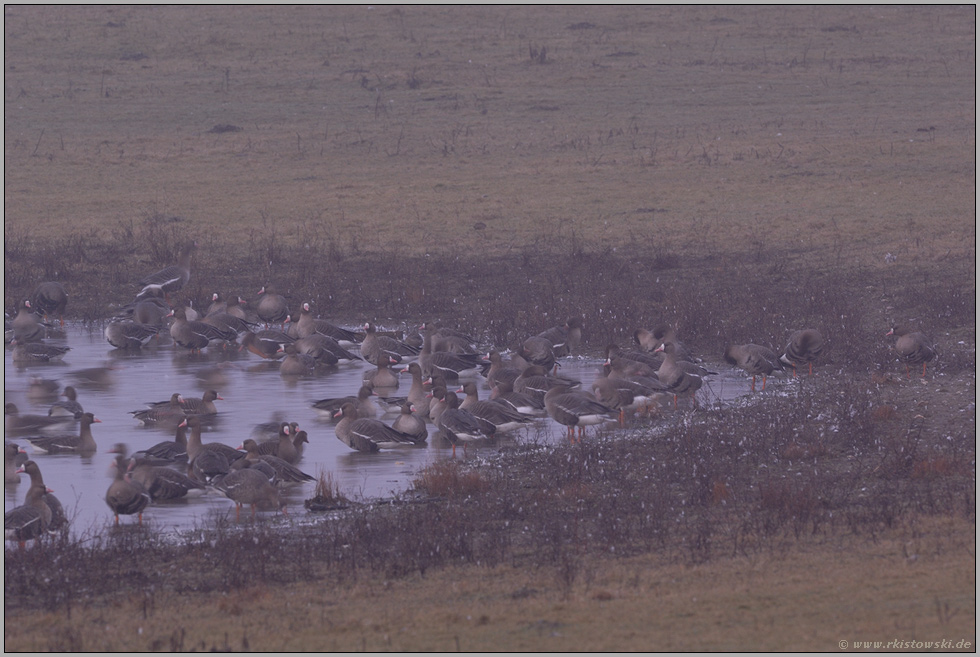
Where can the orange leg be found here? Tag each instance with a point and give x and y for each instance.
(753, 383)
(923, 369)
(763, 381)
(811, 369)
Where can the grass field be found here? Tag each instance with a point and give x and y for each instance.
(735, 172)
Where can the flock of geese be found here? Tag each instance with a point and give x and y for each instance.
(446, 367)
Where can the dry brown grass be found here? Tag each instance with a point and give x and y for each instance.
(915, 582)
(783, 129)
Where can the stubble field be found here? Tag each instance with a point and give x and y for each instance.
(735, 172)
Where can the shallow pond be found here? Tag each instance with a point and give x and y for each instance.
(252, 392)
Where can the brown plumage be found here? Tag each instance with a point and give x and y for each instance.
(913, 348)
(754, 359)
(804, 347)
(124, 496)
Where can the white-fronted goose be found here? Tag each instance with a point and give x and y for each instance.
(26, 326)
(151, 312)
(564, 338)
(417, 394)
(504, 393)
(218, 305)
(286, 472)
(306, 325)
(366, 434)
(40, 390)
(80, 443)
(283, 446)
(31, 520)
(366, 406)
(459, 426)
(447, 339)
(645, 340)
(680, 376)
(207, 460)
(250, 486)
(382, 378)
(535, 381)
(160, 482)
(167, 451)
(230, 324)
(37, 352)
(384, 348)
(537, 351)
(16, 423)
(804, 347)
(69, 407)
(12, 454)
(324, 348)
(169, 415)
(196, 335)
(268, 343)
(271, 307)
(297, 364)
(51, 299)
(450, 365)
(59, 520)
(754, 359)
(624, 394)
(129, 335)
(437, 401)
(574, 408)
(410, 423)
(502, 416)
(499, 371)
(913, 348)
(124, 496)
(203, 405)
(632, 362)
(173, 277)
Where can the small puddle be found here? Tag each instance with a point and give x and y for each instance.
(253, 392)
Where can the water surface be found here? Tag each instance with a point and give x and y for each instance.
(253, 392)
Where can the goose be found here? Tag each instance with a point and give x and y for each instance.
(537, 351)
(574, 408)
(267, 343)
(632, 362)
(69, 407)
(451, 366)
(504, 393)
(375, 347)
(174, 277)
(307, 325)
(680, 376)
(12, 455)
(125, 496)
(368, 435)
(167, 451)
(195, 335)
(502, 416)
(409, 422)
(25, 325)
(271, 307)
(16, 423)
(499, 372)
(324, 348)
(50, 298)
(169, 414)
(366, 406)
(249, 486)
(59, 520)
(285, 471)
(458, 425)
(535, 382)
(30, 520)
(81, 443)
(208, 460)
(283, 446)
(565, 337)
(162, 483)
(754, 359)
(36, 352)
(383, 377)
(130, 335)
(803, 347)
(913, 348)
(624, 394)
(295, 363)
